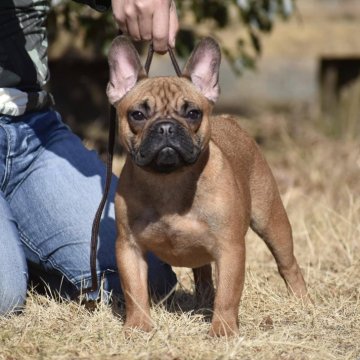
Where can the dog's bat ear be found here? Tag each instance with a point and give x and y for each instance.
(203, 68)
(125, 68)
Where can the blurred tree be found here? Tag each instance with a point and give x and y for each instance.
(241, 45)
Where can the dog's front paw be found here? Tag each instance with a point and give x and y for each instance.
(142, 324)
(223, 328)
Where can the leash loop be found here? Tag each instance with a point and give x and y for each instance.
(172, 57)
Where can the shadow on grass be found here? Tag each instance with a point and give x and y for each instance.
(185, 301)
(178, 302)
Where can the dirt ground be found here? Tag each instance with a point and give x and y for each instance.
(319, 181)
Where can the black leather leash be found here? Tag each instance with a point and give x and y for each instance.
(172, 57)
(109, 160)
(99, 211)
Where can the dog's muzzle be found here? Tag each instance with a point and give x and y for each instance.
(166, 147)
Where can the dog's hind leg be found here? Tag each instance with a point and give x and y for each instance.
(269, 220)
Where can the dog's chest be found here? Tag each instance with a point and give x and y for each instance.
(181, 240)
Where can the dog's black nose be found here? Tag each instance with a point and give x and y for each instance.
(166, 128)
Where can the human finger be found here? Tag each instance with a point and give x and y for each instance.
(119, 14)
(160, 30)
(145, 26)
(132, 21)
(173, 24)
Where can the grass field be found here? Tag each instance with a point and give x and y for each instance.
(319, 179)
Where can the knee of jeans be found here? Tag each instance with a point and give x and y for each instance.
(12, 295)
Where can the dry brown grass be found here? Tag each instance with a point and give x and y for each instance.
(319, 181)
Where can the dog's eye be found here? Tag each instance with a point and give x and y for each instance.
(194, 114)
(137, 115)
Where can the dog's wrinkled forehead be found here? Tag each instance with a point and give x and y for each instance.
(165, 95)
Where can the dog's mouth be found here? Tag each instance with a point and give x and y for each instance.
(166, 160)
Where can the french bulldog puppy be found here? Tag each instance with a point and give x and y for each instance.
(191, 186)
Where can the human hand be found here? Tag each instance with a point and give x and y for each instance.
(154, 20)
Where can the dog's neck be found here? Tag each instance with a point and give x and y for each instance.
(163, 189)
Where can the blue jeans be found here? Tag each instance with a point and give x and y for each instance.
(50, 188)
